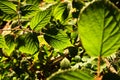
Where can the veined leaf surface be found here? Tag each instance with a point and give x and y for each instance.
(10, 43)
(59, 40)
(99, 28)
(7, 7)
(41, 19)
(29, 10)
(59, 10)
(28, 43)
(71, 75)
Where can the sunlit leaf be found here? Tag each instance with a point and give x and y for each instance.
(28, 43)
(99, 28)
(49, 1)
(58, 40)
(7, 7)
(61, 12)
(40, 20)
(10, 43)
(71, 75)
(2, 42)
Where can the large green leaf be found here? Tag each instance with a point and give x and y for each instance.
(7, 7)
(99, 28)
(71, 75)
(28, 10)
(58, 40)
(2, 42)
(10, 43)
(28, 43)
(40, 20)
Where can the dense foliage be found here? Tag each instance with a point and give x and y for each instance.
(59, 39)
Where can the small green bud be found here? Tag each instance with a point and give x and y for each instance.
(65, 63)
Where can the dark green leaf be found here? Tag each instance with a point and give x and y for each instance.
(7, 7)
(9, 16)
(58, 40)
(29, 10)
(77, 4)
(28, 43)
(40, 20)
(99, 28)
(10, 43)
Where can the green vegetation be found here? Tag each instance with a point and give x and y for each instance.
(59, 40)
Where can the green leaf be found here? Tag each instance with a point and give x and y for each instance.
(2, 42)
(40, 20)
(10, 43)
(58, 40)
(28, 43)
(99, 28)
(71, 75)
(7, 7)
(10, 17)
(29, 10)
(33, 2)
(49, 1)
(60, 12)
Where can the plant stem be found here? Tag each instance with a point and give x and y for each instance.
(18, 11)
(98, 71)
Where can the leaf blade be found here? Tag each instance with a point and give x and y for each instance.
(10, 43)
(8, 7)
(98, 30)
(28, 43)
(71, 75)
(40, 20)
(59, 40)
(2, 42)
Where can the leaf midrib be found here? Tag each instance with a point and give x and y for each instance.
(42, 19)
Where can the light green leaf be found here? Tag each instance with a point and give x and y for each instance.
(28, 43)
(2, 42)
(10, 43)
(7, 7)
(49, 1)
(99, 28)
(40, 20)
(29, 10)
(60, 12)
(58, 40)
(71, 75)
